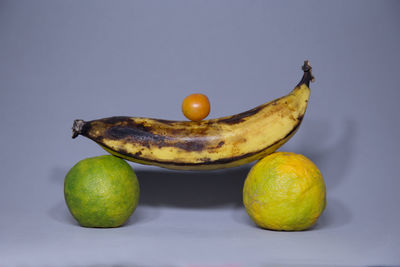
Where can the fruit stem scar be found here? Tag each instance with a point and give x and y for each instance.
(77, 128)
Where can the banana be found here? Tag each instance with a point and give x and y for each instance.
(205, 145)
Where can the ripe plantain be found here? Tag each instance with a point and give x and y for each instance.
(205, 145)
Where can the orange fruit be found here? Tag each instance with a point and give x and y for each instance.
(196, 107)
(284, 191)
(101, 191)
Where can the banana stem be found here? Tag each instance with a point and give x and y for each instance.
(307, 76)
(77, 128)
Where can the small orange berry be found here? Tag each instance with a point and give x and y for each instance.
(196, 107)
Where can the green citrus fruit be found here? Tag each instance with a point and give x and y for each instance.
(284, 191)
(101, 191)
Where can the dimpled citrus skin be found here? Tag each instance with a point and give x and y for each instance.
(284, 191)
(101, 191)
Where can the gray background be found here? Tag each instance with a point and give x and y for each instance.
(63, 60)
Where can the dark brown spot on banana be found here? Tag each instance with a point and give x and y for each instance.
(124, 132)
(138, 154)
(300, 117)
(197, 145)
(205, 160)
(220, 144)
(89, 131)
(117, 120)
(241, 116)
(167, 122)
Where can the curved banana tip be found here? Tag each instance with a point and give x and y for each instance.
(307, 76)
(77, 128)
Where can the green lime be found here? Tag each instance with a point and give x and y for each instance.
(284, 191)
(101, 191)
